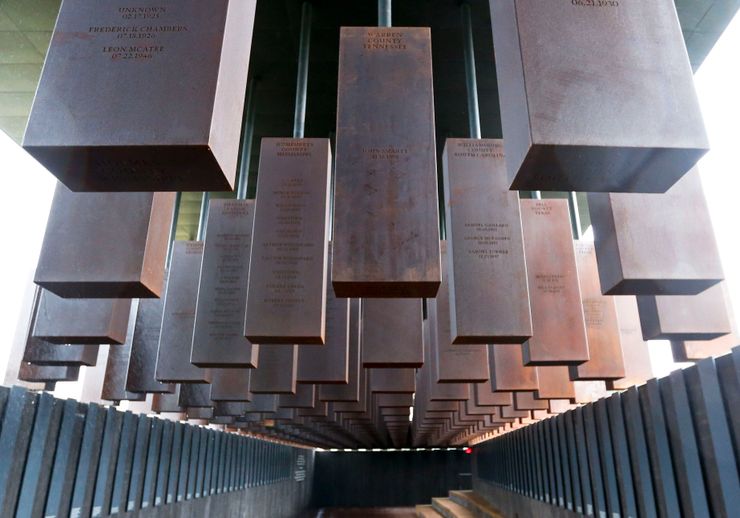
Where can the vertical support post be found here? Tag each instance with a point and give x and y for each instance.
(299, 119)
(575, 219)
(173, 228)
(471, 82)
(247, 140)
(203, 216)
(385, 13)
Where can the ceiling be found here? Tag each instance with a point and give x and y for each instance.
(26, 25)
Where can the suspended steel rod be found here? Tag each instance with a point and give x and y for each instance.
(203, 216)
(173, 228)
(575, 218)
(385, 13)
(301, 91)
(247, 139)
(471, 81)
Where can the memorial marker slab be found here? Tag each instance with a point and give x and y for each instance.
(437, 391)
(602, 328)
(167, 402)
(195, 395)
(328, 363)
(350, 391)
(553, 382)
(199, 413)
(484, 230)
(263, 403)
(559, 331)
(485, 396)
(288, 272)
(579, 134)
(47, 374)
(639, 254)
(114, 383)
(684, 317)
(393, 400)
(105, 245)
(230, 408)
(92, 144)
(81, 321)
(508, 372)
(178, 317)
(278, 370)
(386, 233)
(143, 358)
(696, 350)
(459, 363)
(637, 367)
(230, 384)
(392, 334)
(529, 401)
(305, 397)
(42, 353)
(218, 336)
(391, 381)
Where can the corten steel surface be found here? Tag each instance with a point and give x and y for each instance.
(361, 403)
(584, 117)
(437, 391)
(230, 384)
(528, 401)
(655, 244)
(509, 412)
(143, 103)
(199, 413)
(553, 382)
(508, 372)
(178, 317)
(81, 321)
(393, 400)
(263, 403)
(637, 367)
(484, 241)
(288, 272)
(304, 397)
(195, 395)
(386, 233)
(105, 245)
(328, 363)
(459, 363)
(471, 408)
(350, 391)
(391, 381)
(559, 331)
(47, 373)
(117, 363)
(278, 370)
(167, 402)
(701, 349)
(485, 396)
(42, 353)
(392, 333)
(602, 327)
(218, 336)
(684, 317)
(143, 358)
(114, 383)
(229, 408)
